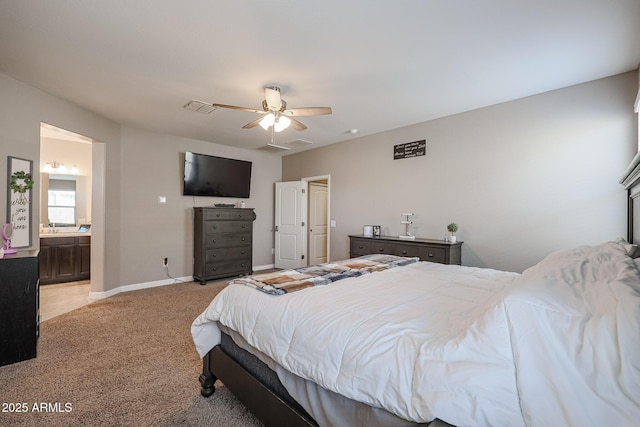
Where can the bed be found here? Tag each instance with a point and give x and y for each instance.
(430, 344)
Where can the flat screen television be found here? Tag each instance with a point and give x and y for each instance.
(216, 176)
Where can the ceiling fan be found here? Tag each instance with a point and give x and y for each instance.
(275, 113)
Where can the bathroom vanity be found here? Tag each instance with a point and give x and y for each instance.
(64, 257)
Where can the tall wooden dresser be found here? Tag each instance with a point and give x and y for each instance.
(222, 242)
(19, 306)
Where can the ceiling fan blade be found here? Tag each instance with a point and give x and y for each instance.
(297, 125)
(308, 111)
(272, 97)
(234, 107)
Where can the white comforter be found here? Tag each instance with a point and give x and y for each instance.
(557, 345)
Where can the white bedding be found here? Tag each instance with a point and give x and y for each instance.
(469, 346)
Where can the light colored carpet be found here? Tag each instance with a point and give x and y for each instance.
(123, 361)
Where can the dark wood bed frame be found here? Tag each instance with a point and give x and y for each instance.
(273, 410)
(263, 401)
(631, 183)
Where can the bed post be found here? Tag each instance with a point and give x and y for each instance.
(207, 379)
(631, 183)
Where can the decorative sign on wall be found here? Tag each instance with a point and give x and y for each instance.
(19, 186)
(410, 149)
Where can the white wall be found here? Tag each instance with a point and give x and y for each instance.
(152, 166)
(521, 178)
(22, 109)
(139, 166)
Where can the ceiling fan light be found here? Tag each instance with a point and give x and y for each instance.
(267, 121)
(282, 123)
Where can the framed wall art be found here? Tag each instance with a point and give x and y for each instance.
(19, 189)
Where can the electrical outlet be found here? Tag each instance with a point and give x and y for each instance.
(165, 262)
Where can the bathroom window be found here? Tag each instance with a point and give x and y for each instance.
(62, 202)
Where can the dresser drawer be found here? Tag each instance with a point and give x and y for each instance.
(381, 248)
(229, 214)
(407, 250)
(222, 240)
(223, 254)
(227, 226)
(433, 255)
(223, 268)
(359, 247)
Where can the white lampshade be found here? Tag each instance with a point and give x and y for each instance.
(267, 121)
(282, 123)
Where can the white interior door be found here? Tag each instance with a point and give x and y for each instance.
(318, 222)
(290, 226)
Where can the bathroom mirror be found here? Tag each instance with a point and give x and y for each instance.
(65, 200)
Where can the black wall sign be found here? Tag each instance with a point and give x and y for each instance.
(410, 149)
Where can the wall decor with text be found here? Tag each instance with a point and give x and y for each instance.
(19, 187)
(410, 149)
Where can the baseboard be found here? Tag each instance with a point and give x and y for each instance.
(146, 285)
(263, 267)
(138, 286)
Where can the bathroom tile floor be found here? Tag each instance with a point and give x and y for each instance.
(60, 298)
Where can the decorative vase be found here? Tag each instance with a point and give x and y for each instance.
(452, 239)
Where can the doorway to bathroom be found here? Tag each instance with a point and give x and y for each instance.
(65, 220)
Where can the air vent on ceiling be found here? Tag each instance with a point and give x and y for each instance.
(274, 148)
(200, 106)
(297, 143)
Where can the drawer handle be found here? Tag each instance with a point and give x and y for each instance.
(243, 226)
(243, 239)
(360, 247)
(404, 252)
(381, 250)
(242, 252)
(214, 241)
(214, 255)
(430, 255)
(215, 227)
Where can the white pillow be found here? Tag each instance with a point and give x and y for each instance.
(632, 250)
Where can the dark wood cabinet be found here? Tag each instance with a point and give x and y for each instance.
(83, 254)
(19, 306)
(425, 249)
(65, 259)
(222, 242)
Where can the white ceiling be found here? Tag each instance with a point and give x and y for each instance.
(380, 64)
